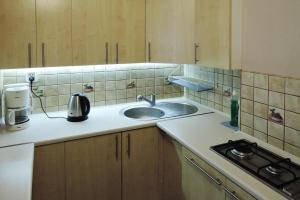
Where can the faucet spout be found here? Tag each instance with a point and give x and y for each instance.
(151, 101)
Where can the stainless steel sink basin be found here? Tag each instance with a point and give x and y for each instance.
(160, 110)
(177, 109)
(144, 113)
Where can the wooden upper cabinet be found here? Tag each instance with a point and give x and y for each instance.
(18, 33)
(93, 168)
(91, 32)
(128, 24)
(54, 43)
(140, 164)
(218, 32)
(170, 35)
(49, 172)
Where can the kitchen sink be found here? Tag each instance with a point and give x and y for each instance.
(144, 113)
(160, 110)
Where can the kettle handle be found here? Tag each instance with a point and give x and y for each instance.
(85, 105)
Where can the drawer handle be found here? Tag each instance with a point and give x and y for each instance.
(29, 54)
(231, 193)
(106, 52)
(196, 52)
(195, 164)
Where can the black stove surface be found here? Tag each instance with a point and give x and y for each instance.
(278, 172)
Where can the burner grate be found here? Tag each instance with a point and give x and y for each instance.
(259, 161)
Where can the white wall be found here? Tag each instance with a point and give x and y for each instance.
(271, 37)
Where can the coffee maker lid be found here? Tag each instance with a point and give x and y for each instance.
(17, 89)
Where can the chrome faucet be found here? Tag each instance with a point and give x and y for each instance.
(152, 99)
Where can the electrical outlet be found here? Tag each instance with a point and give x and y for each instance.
(31, 74)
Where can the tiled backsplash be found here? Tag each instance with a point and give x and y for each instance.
(270, 110)
(223, 81)
(111, 83)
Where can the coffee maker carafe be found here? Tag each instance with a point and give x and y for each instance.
(17, 106)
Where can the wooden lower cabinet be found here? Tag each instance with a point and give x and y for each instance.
(93, 168)
(171, 169)
(140, 164)
(196, 184)
(237, 191)
(49, 172)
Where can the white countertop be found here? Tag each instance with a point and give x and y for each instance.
(102, 120)
(197, 133)
(16, 166)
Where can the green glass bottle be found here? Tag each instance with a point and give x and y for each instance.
(234, 110)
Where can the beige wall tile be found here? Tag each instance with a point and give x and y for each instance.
(51, 79)
(292, 149)
(292, 136)
(261, 136)
(276, 99)
(276, 130)
(63, 100)
(247, 119)
(292, 103)
(247, 92)
(247, 106)
(51, 90)
(52, 101)
(246, 130)
(261, 95)
(64, 78)
(261, 81)
(247, 78)
(76, 78)
(293, 86)
(276, 83)
(260, 124)
(261, 110)
(275, 142)
(292, 120)
(64, 89)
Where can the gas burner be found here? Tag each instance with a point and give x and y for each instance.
(274, 170)
(242, 152)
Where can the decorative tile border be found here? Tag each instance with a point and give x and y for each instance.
(270, 109)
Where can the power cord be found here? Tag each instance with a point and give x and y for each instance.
(31, 79)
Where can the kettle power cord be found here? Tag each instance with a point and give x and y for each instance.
(31, 79)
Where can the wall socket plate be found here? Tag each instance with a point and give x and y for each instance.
(31, 74)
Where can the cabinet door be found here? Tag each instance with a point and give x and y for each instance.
(93, 168)
(213, 33)
(170, 31)
(140, 167)
(172, 169)
(18, 33)
(128, 23)
(49, 172)
(54, 32)
(90, 31)
(235, 192)
(199, 180)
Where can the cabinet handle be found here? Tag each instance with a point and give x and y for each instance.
(128, 145)
(231, 193)
(106, 52)
(195, 164)
(196, 51)
(117, 147)
(43, 54)
(149, 52)
(29, 55)
(117, 53)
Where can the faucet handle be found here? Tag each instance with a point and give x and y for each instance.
(139, 97)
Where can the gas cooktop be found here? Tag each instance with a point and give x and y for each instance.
(278, 172)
